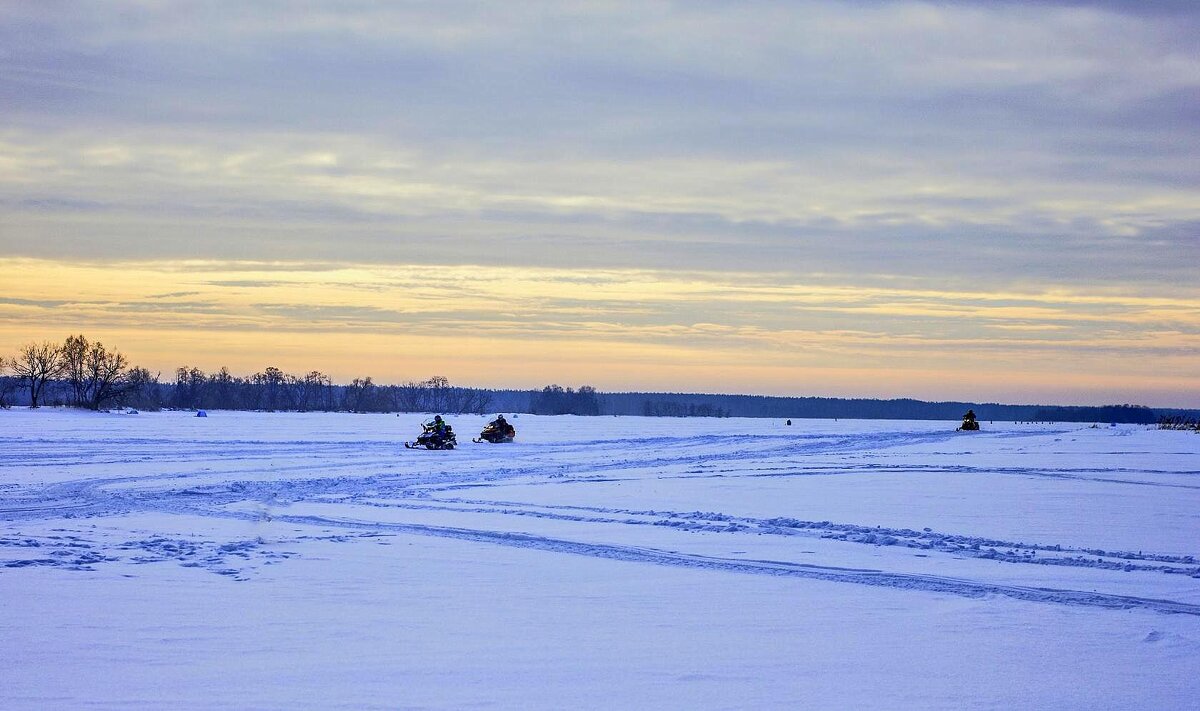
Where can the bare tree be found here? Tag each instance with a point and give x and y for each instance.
(103, 375)
(141, 389)
(409, 397)
(436, 395)
(8, 386)
(37, 364)
(190, 387)
(74, 356)
(439, 394)
(476, 401)
(361, 395)
(272, 384)
(310, 391)
(222, 391)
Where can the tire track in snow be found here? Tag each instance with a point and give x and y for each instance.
(97, 497)
(875, 578)
(973, 546)
(554, 463)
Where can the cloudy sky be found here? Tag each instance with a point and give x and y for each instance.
(974, 200)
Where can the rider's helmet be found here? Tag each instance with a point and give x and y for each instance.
(437, 418)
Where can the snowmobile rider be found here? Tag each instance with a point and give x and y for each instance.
(501, 425)
(438, 427)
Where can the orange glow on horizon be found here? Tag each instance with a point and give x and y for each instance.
(615, 329)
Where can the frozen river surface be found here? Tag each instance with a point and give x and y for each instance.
(257, 560)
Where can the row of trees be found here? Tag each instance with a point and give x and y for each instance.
(716, 405)
(94, 376)
(557, 400)
(82, 373)
(273, 389)
(433, 395)
(1133, 414)
(672, 408)
(87, 374)
(9, 385)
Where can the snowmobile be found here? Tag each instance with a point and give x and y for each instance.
(430, 438)
(969, 423)
(496, 433)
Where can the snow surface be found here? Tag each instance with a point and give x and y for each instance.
(257, 560)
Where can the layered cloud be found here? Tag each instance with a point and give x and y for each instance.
(716, 331)
(1015, 180)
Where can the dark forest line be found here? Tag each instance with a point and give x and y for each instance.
(81, 373)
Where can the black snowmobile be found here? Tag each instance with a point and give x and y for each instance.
(497, 431)
(432, 438)
(969, 423)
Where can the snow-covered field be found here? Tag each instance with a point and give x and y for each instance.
(254, 560)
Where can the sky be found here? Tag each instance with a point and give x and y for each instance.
(986, 201)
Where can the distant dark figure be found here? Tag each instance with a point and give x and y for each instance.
(969, 424)
(788, 423)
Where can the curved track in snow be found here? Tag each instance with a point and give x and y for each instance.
(609, 498)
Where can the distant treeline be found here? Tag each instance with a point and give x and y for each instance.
(273, 389)
(682, 404)
(80, 373)
(86, 374)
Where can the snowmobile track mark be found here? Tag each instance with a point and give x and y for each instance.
(903, 581)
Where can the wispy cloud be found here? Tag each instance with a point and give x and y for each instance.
(652, 321)
(935, 181)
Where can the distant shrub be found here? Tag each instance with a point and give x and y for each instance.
(8, 391)
(1178, 422)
